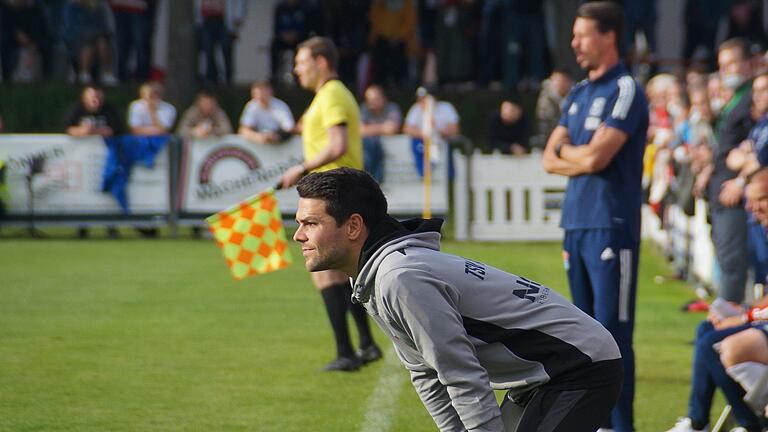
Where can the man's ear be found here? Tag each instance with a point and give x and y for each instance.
(322, 62)
(355, 226)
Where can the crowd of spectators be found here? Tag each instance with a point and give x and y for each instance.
(400, 43)
(409, 42)
(707, 140)
(107, 41)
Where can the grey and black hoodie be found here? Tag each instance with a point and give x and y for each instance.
(463, 328)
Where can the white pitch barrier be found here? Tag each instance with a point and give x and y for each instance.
(511, 198)
(505, 198)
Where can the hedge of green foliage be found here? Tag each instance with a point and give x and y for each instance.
(40, 108)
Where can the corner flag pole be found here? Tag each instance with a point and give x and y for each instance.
(427, 130)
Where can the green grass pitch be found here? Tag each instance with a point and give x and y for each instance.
(139, 335)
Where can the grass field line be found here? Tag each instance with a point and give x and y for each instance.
(380, 409)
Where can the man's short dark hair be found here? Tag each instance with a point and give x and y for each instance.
(94, 87)
(609, 17)
(206, 93)
(261, 84)
(346, 191)
(322, 47)
(738, 44)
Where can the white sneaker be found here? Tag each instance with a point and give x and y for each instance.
(109, 80)
(684, 425)
(738, 429)
(84, 78)
(604, 430)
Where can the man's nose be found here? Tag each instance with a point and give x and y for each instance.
(299, 236)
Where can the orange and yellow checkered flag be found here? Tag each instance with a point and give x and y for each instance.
(251, 236)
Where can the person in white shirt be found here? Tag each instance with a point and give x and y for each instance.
(445, 125)
(150, 115)
(265, 118)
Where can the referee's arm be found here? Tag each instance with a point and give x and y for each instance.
(336, 148)
(562, 157)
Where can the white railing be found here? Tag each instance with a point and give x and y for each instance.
(511, 198)
(503, 198)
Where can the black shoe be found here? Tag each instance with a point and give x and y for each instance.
(147, 232)
(82, 233)
(344, 364)
(369, 354)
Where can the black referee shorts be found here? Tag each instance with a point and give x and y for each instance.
(578, 402)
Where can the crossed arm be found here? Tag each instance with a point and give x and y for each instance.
(584, 159)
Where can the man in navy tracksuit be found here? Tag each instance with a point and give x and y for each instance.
(599, 145)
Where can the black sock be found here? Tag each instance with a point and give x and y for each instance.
(361, 319)
(336, 306)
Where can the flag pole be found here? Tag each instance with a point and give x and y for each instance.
(428, 128)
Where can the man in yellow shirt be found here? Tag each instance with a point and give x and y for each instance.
(330, 131)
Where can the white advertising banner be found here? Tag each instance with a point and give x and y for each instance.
(71, 177)
(217, 173)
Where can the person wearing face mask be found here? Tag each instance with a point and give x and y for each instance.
(748, 159)
(726, 189)
(715, 93)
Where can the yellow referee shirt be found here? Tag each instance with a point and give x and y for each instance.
(333, 105)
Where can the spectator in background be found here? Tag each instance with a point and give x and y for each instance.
(698, 133)
(204, 119)
(218, 24)
(725, 191)
(265, 119)
(640, 16)
(26, 40)
(150, 115)
(92, 115)
(757, 196)
(444, 125)
(745, 20)
(455, 40)
(427, 30)
(392, 39)
(350, 34)
(290, 28)
(549, 105)
(87, 33)
(708, 373)
(700, 29)
(489, 41)
(378, 118)
(695, 76)
(745, 161)
(717, 93)
(134, 26)
(508, 129)
(524, 37)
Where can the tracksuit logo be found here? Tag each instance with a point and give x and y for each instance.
(529, 291)
(474, 268)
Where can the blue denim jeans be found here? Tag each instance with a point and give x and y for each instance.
(708, 374)
(373, 157)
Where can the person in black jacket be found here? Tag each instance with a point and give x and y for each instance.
(508, 129)
(726, 189)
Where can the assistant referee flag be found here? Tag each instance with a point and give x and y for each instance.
(251, 236)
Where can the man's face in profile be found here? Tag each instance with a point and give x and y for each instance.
(322, 239)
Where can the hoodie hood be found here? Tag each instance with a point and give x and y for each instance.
(388, 236)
